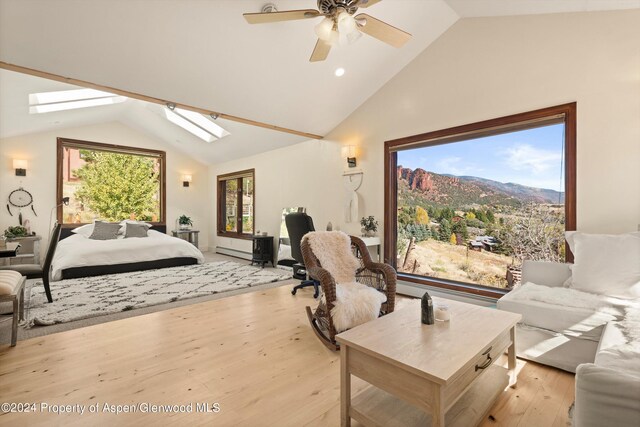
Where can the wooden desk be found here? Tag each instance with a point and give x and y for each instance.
(427, 374)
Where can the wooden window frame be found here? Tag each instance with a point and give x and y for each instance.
(63, 143)
(222, 205)
(565, 113)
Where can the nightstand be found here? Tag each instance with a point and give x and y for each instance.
(190, 236)
(29, 250)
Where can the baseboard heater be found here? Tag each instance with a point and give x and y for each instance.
(234, 252)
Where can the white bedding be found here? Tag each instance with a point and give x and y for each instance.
(79, 251)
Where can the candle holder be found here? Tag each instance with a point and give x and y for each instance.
(442, 313)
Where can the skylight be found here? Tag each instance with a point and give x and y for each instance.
(47, 102)
(196, 123)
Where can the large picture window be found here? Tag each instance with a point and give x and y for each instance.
(465, 206)
(236, 204)
(109, 182)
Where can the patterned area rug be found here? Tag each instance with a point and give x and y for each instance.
(86, 297)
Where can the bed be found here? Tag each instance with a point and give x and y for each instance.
(78, 256)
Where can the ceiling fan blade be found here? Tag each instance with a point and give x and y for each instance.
(320, 52)
(287, 15)
(381, 30)
(367, 3)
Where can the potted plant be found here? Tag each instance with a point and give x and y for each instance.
(369, 226)
(185, 222)
(17, 231)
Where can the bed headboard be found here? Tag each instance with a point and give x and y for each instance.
(66, 231)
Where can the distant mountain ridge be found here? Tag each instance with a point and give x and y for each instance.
(459, 191)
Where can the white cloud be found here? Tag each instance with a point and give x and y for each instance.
(524, 157)
(454, 165)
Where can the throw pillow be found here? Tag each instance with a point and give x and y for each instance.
(607, 264)
(136, 230)
(124, 224)
(105, 231)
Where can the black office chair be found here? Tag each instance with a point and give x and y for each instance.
(298, 224)
(37, 271)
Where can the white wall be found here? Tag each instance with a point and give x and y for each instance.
(306, 174)
(483, 68)
(40, 151)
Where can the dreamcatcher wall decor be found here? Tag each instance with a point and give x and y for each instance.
(20, 199)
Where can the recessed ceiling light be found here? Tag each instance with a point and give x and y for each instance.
(339, 72)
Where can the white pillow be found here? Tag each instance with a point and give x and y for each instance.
(85, 230)
(568, 235)
(607, 264)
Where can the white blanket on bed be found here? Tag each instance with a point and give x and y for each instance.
(79, 251)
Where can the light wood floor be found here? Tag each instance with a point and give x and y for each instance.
(253, 354)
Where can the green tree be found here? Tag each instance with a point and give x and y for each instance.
(116, 186)
(406, 215)
(482, 216)
(431, 211)
(490, 217)
(422, 216)
(460, 227)
(444, 233)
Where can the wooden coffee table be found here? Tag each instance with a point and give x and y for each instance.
(427, 374)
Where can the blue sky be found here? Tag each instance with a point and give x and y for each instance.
(530, 157)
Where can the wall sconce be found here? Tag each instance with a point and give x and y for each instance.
(349, 152)
(20, 166)
(186, 180)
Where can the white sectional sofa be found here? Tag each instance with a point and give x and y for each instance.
(593, 334)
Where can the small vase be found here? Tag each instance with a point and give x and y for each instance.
(184, 226)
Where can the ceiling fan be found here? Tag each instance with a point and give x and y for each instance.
(339, 26)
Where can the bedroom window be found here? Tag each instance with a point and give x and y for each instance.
(236, 204)
(109, 182)
(465, 206)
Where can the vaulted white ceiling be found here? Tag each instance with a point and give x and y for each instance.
(474, 8)
(145, 117)
(203, 53)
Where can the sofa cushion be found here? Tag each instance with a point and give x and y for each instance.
(619, 347)
(607, 264)
(562, 310)
(605, 397)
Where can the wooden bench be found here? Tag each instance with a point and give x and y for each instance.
(12, 289)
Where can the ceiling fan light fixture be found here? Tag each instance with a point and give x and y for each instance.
(324, 29)
(347, 28)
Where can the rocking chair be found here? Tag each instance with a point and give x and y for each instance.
(379, 276)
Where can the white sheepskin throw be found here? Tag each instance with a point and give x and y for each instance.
(355, 303)
(333, 250)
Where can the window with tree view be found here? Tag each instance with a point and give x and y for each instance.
(469, 210)
(109, 183)
(236, 204)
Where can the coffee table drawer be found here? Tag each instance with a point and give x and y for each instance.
(475, 368)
